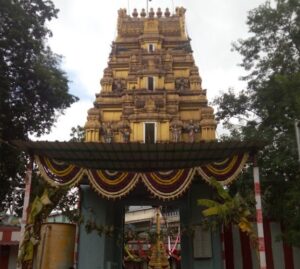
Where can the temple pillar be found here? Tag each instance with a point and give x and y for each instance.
(99, 251)
(259, 216)
(201, 249)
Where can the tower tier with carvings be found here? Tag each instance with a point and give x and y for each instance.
(151, 89)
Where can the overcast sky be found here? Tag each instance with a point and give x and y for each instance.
(84, 31)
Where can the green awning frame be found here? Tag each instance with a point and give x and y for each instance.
(138, 157)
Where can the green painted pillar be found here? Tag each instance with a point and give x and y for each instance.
(95, 251)
(210, 242)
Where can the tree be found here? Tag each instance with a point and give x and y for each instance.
(269, 106)
(33, 88)
(77, 134)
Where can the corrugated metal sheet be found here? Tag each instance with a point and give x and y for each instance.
(136, 156)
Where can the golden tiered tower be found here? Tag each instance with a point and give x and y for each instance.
(151, 90)
(158, 259)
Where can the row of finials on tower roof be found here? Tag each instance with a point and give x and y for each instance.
(151, 14)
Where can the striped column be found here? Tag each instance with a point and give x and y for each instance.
(28, 178)
(259, 217)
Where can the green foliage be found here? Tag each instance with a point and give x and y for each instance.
(269, 106)
(40, 208)
(33, 88)
(101, 229)
(66, 205)
(227, 209)
(77, 134)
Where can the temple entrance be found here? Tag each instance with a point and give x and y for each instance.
(127, 240)
(149, 230)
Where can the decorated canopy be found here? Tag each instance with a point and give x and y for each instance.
(113, 170)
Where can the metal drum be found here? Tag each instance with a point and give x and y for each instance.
(56, 248)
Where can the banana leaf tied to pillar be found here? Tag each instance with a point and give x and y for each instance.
(39, 210)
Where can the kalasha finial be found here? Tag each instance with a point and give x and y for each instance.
(158, 13)
(143, 13)
(167, 12)
(135, 13)
(151, 13)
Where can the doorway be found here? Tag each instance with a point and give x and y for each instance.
(143, 227)
(149, 133)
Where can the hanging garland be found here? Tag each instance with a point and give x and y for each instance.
(162, 184)
(224, 171)
(170, 184)
(57, 173)
(112, 184)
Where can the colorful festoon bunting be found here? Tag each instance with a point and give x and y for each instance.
(163, 184)
(112, 184)
(224, 171)
(58, 173)
(168, 184)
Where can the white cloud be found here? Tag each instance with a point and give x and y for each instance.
(84, 31)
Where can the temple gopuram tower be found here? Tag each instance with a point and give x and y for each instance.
(151, 89)
(149, 141)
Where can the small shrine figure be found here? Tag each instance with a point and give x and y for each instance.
(181, 84)
(176, 133)
(192, 129)
(118, 86)
(108, 136)
(126, 135)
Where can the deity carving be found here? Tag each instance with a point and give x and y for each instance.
(124, 129)
(139, 103)
(118, 85)
(176, 129)
(150, 104)
(168, 56)
(126, 134)
(192, 129)
(108, 133)
(176, 133)
(159, 103)
(182, 84)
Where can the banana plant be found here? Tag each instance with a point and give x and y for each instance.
(228, 209)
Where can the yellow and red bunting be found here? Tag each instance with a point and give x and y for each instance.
(58, 173)
(112, 184)
(224, 171)
(169, 184)
(115, 184)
